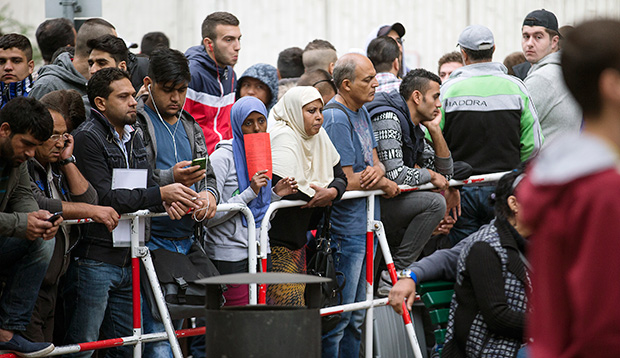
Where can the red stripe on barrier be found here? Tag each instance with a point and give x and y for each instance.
(392, 271)
(331, 313)
(8, 355)
(135, 272)
(406, 316)
(190, 332)
(370, 244)
(108, 343)
(262, 290)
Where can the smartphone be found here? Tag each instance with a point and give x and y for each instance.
(55, 216)
(202, 162)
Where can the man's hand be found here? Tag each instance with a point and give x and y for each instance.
(187, 176)
(369, 177)
(179, 192)
(445, 225)
(403, 289)
(453, 202)
(439, 180)
(175, 210)
(105, 215)
(322, 197)
(67, 151)
(38, 226)
(285, 186)
(390, 188)
(434, 123)
(208, 206)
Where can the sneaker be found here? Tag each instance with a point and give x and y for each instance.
(385, 284)
(24, 348)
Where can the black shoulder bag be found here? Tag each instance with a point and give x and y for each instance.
(176, 274)
(322, 264)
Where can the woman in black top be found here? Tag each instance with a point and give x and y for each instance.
(302, 150)
(487, 314)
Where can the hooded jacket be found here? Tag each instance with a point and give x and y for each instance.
(570, 201)
(399, 134)
(57, 76)
(266, 74)
(558, 112)
(210, 95)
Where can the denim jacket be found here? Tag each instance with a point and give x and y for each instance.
(97, 154)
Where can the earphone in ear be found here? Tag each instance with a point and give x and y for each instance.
(210, 46)
(149, 88)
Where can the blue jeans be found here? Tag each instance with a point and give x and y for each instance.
(350, 259)
(98, 297)
(475, 212)
(23, 265)
(150, 325)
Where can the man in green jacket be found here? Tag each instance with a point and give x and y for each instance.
(25, 232)
(489, 122)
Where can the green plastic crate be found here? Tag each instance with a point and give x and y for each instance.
(438, 299)
(434, 286)
(440, 316)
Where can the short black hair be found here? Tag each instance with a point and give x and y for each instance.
(111, 44)
(290, 63)
(417, 79)
(69, 104)
(91, 29)
(217, 18)
(454, 56)
(18, 41)
(99, 83)
(318, 44)
(168, 65)
(152, 41)
(382, 51)
(479, 55)
(53, 34)
(26, 115)
(588, 51)
(506, 186)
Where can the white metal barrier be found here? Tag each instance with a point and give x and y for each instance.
(256, 249)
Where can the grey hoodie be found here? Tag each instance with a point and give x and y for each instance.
(57, 76)
(558, 112)
(227, 238)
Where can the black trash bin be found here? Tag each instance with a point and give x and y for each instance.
(261, 330)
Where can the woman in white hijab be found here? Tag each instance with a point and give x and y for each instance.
(300, 148)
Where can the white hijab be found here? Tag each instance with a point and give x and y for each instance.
(309, 159)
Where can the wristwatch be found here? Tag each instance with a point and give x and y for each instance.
(71, 159)
(406, 273)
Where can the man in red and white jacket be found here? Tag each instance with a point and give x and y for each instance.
(211, 91)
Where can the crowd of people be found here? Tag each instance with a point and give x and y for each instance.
(99, 131)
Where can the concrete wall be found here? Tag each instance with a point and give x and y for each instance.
(269, 26)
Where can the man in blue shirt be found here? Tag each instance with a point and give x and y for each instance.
(172, 139)
(347, 123)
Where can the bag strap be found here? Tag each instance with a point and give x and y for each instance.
(336, 105)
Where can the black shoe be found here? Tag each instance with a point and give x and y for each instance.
(24, 348)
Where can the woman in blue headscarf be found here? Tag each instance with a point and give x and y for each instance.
(227, 234)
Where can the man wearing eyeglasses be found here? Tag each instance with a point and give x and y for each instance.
(58, 186)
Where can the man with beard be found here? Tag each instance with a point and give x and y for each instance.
(98, 291)
(211, 91)
(26, 233)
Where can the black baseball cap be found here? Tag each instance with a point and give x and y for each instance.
(542, 18)
(397, 26)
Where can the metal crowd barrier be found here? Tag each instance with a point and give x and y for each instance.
(256, 249)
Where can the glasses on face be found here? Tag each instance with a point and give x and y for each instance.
(58, 137)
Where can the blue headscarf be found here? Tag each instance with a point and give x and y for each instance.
(239, 112)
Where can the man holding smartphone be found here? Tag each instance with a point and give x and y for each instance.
(25, 232)
(177, 153)
(59, 186)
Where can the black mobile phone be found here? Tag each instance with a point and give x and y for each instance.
(202, 162)
(55, 216)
